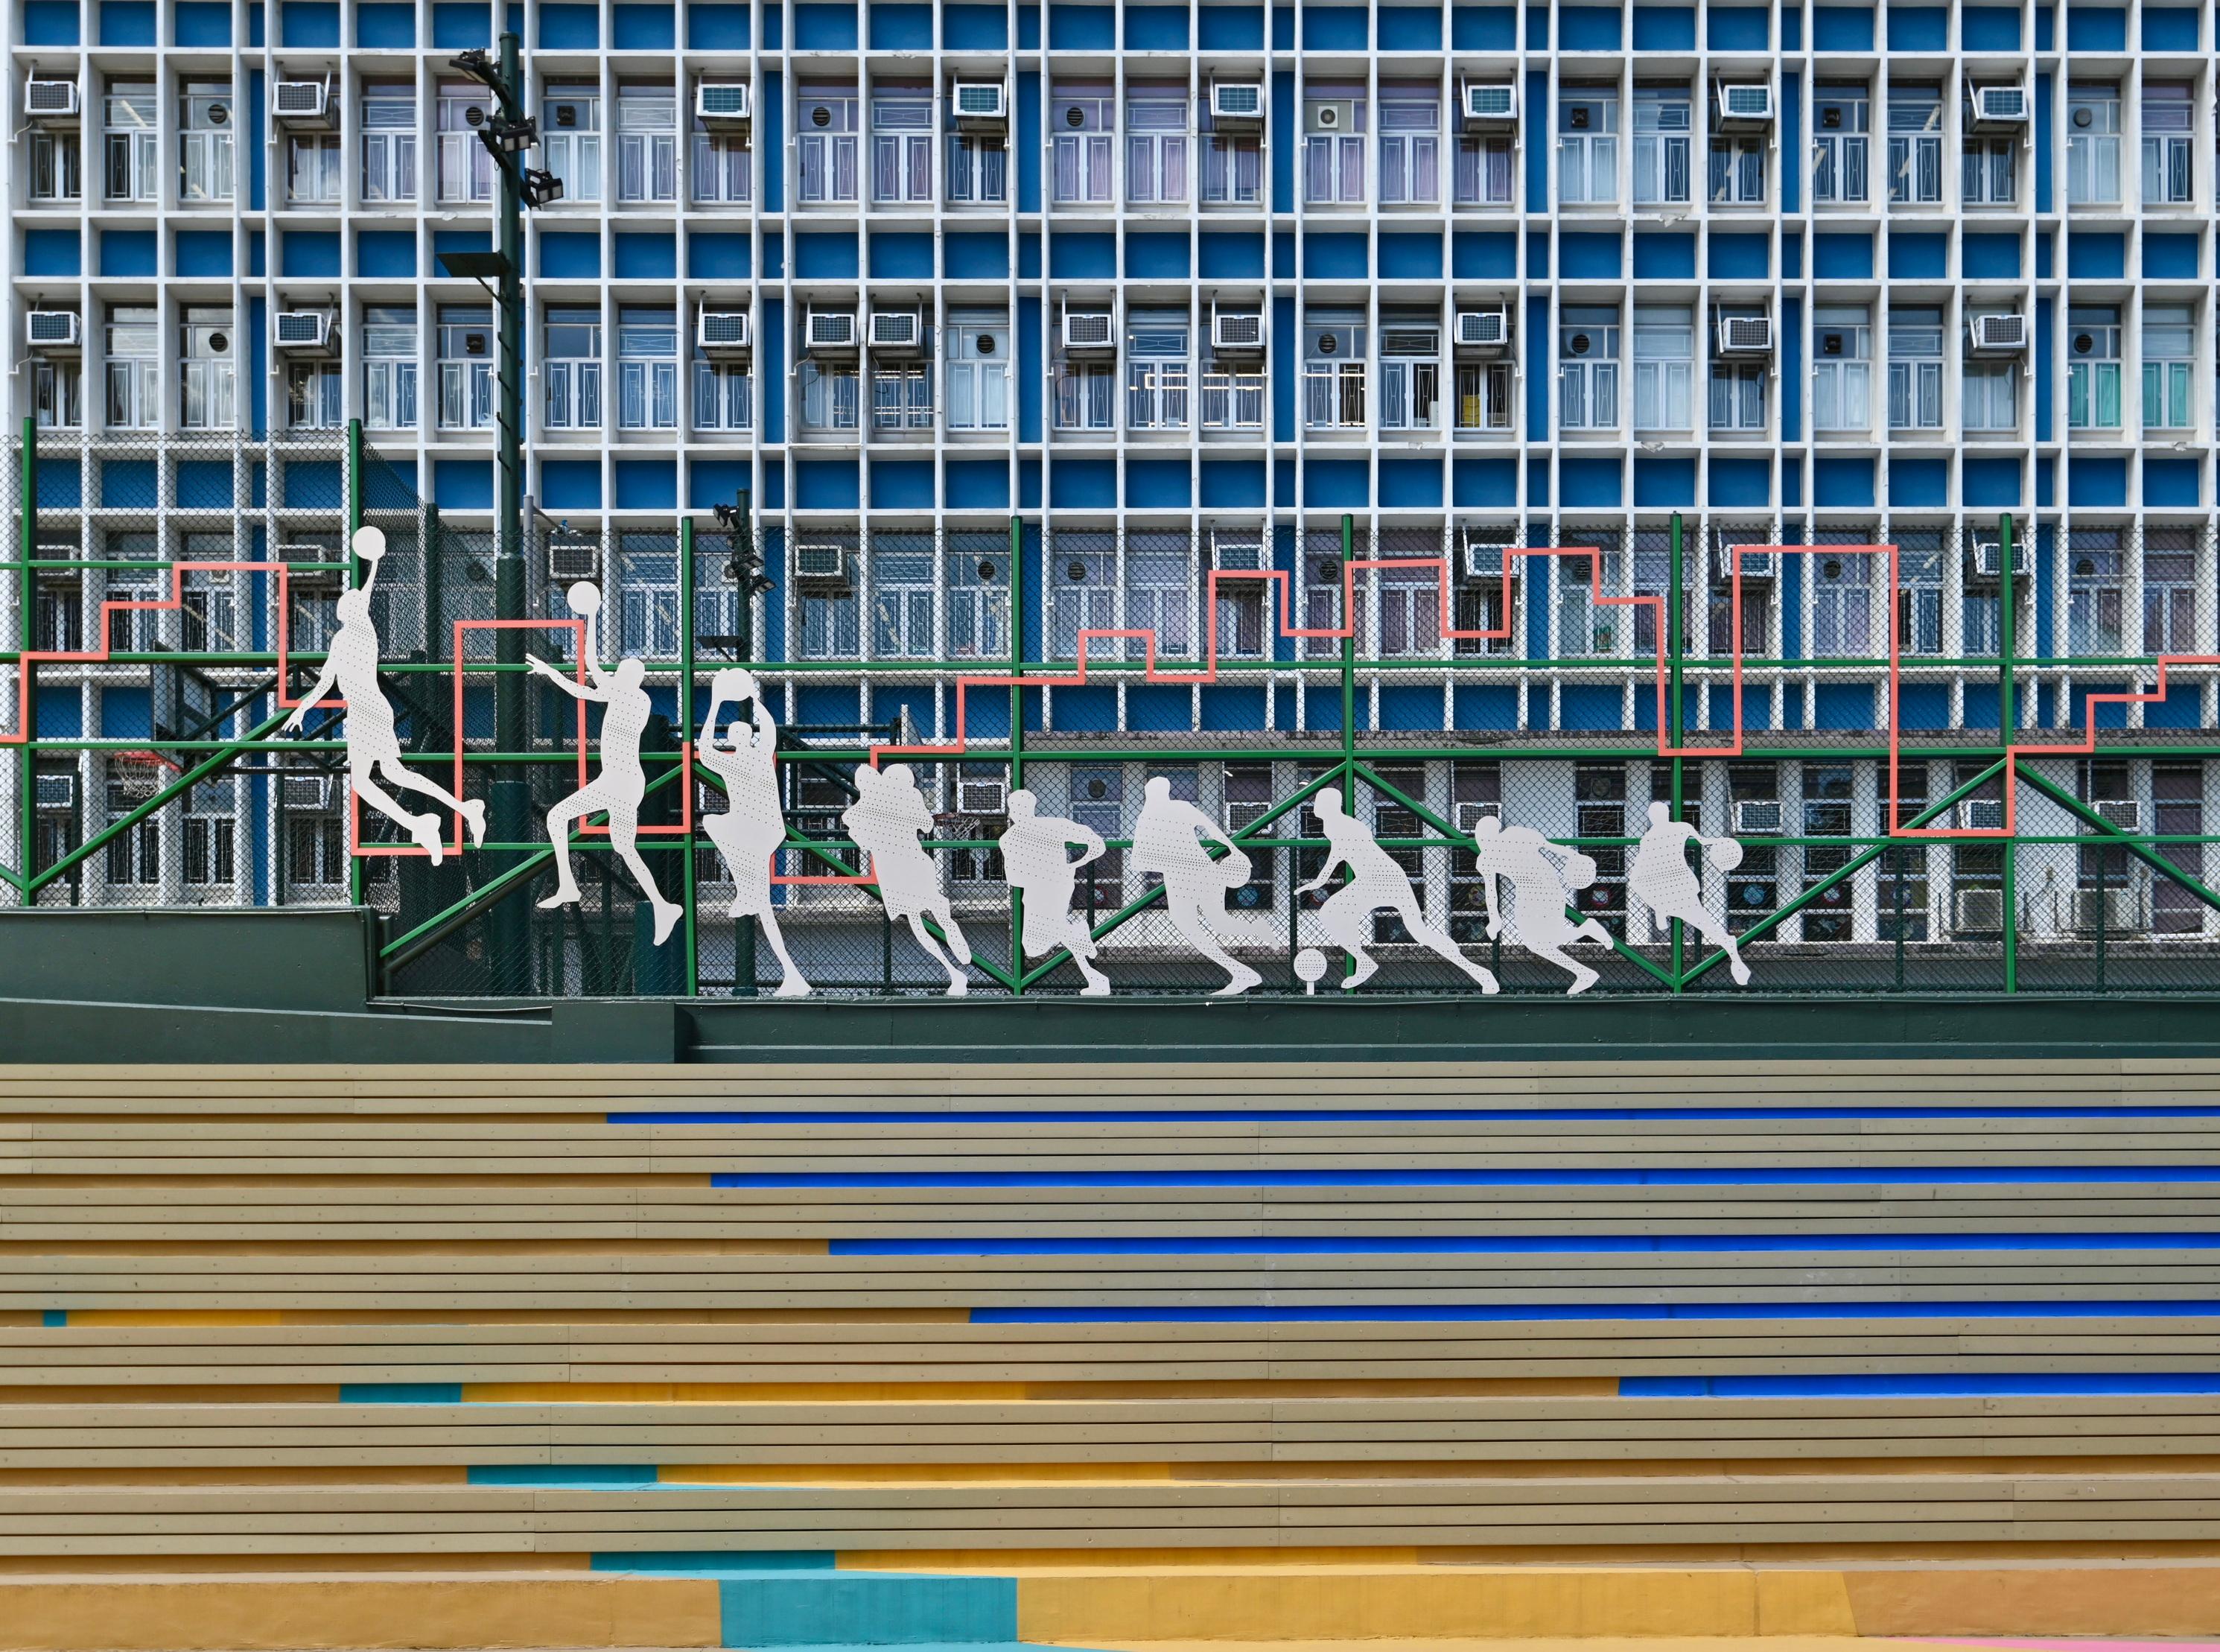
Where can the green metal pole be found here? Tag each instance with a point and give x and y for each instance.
(356, 865)
(27, 695)
(1018, 735)
(1673, 647)
(509, 925)
(685, 734)
(1349, 692)
(743, 929)
(2007, 645)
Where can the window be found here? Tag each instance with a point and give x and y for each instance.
(724, 394)
(312, 395)
(1156, 342)
(2169, 343)
(208, 619)
(1232, 164)
(1410, 373)
(2096, 593)
(389, 142)
(1480, 605)
(2093, 371)
(647, 368)
(1915, 145)
(1239, 606)
(1333, 370)
(831, 394)
(211, 833)
(312, 167)
(466, 382)
(206, 367)
(57, 619)
(205, 142)
(1737, 175)
(721, 174)
(571, 139)
(1915, 367)
(2093, 144)
(1756, 616)
(1320, 605)
(2170, 591)
(1988, 171)
(902, 590)
(1664, 367)
(1919, 590)
(1082, 592)
(570, 366)
(1083, 118)
(1587, 146)
(1156, 144)
(978, 166)
(1161, 582)
(1738, 396)
(901, 143)
(465, 166)
(2169, 118)
(1663, 117)
(57, 166)
(1992, 396)
(1585, 628)
(1410, 144)
(1483, 396)
(389, 367)
(825, 151)
(648, 601)
(1842, 370)
(1842, 606)
(1587, 367)
(647, 144)
(1333, 143)
(316, 849)
(1843, 111)
(901, 395)
(1483, 169)
(58, 392)
(1085, 392)
(135, 856)
(134, 352)
(978, 367)
(1233, 394)
(131, 161)
(1409, 601)
(826, 612)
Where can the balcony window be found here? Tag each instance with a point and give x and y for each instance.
(978, 166)
(312, 168)
(827, 619)
(2169, 124)
(2170, 592)
(1410, 373)
(134, 344)
(2093, 144)
(1157, 350)
(1410, 144)
(1082, 593)
(1920, 591)
(1915, 367)
(1738, 396)
(724, 395)
(1664, 367)
(1483, 169)
(1085, 393)
(2096, 593)
(206, 142)
(2093, 371)
(1663, 117)
(1989, 166)
(1991, 396)
(1841, 369)
(2169, 346)
(1334, 347)
(1232, 164)
(1333, 143)
(647, 145)
(570, 366)
(571, 139)
(208, 368)
(58, 392)
(831, 395)
(389, 367)
(978, 368)
(1409, 603)
(1843, 111)
(1161, 582)
(1156, 144)
(1587, 146)
(902, 592)
(465, 163)
(466, 381)
(648, 604)
(1915, 145)
(721, 171)
(1587, 367)
(1842, 606)
(824, 150)
(389, 143)
(1736, 174)
(901, 143)
(901, 395)
(56, 166)
(1483, 397)
(1083, 124)
(132, 160)
(977, 595)
(1232, 394)
(1586, 629)
(312, 395)
(647, 368)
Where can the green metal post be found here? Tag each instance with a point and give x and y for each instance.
(27, 695)
(356, 865)
(1347, 694)
(2007, 645)
(509, 924)
(1673, 647)
(743, 929)
(685, 734)
(1018, 736)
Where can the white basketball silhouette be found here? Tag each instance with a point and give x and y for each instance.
(369, 543)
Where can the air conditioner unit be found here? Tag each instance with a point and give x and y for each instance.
(982, 795)
(1979, 911)
(821, 562)
(2124, 814)
(1490, 103)
(305, 331)
(1989, 559)
(2002, 332)
(1237, 103)
(305, 794)
(1745, 335)
(1483, 331)
(1757, 818)
(55, 330)
(1980, 815)
(1240, 331)
(302, 102)
(51, 103)
(723, 331)
(1338, 114)
(52, 792)
(722, 102)
(1237, 549)
(1744, 105)
(1241, 817)
(981, 103)
(569, 557)
(308, 551)
(2114, 911)
(1999, 108)
(833, 331)
(1467, 817)
(1483, 558)
(1088, 331)
(897, 332)
(1755, 564)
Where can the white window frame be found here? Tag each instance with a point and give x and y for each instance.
(901, 145)
(647, 145)
(1664, 122)
(1587, 157)
(977, 393)
(388, 144)
(1159, 155)
(572, 153)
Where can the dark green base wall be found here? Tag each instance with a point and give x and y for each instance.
(294, 986)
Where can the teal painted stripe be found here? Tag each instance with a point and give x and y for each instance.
(53, 1317)
(401, 1394)
(629, 1477)
(712, 1562)
(829, 1609)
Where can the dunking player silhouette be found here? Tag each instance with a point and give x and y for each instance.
(748, 833)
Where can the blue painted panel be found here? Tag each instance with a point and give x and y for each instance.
(1843, 28)
(720, 26)
(51, 253)
(1410, 28)
(202, 22)
(1091, 710)
(1843, 258)
(1918, 258)
(1792, 369)
(715, 482)
(50, 22)
(1484, 255)
(770, 117)
(820, 27)
(901, 484)
(2169, 29)
(1232, 29)
(827, 484)
(823, 257)
(1918, 28)
(717, 256)
(1334, 28)
(131, 22)
(1411, 257)
(2170, 257)
(1591, 706)
(1409, 706)
(1083, 482)
(972, 258)
(1411, 482)
(570, 485)
(1991, 484)
(906, 255)
(1157, 257)
(1737, 28)
(1991, 257)
(1736, 482)
(1842, 482)
(569, 256)
(2095, 28)
(1155, 28)
(645, 29)
(1589, 28)
(1483, 706)
(1230, 708)
(1333, 257)
(1483, 29)
(1029, 142)
(901, 26)
(1660, 482)
(1990, 28)
(390, 253)
(1150, 483)
(1082, 28)
(647, 485)
(1739, 258)
(2170, 481)
(128, 251)
(458, 25)
(1791, 143)
(2097, 479)
(1088, 257)
(1919, 481)
(1664, 29)
(2041, 140)
(977, 484)
(1226, 255)
(2099, 257)
(1484, 482)
(1232, 484)
(1029, 370)
(1590, 481)
(974, 28)
(1537, 384)
(1283, 154)
(1335, 484)
(302, 22)
(1537, 28)
(300, 253)
(1541, 119)
(1590, 257)
(462, 484)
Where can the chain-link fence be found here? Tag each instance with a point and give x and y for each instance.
(1566, 746)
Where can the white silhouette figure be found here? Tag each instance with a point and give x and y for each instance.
(1540, 887)
(373, 748)
(1662, 880)
(1036, 863)
(886, 820)
(1167, 839)
(621, 783)
(750, 831)
(1375, 882)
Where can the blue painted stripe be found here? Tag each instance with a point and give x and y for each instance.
(53, 1317)
(1294, 1312)
(1940, 1385)
(713, 1562)
(1389, 1115)
(1551, 1244)
(630, 1477)
(1780, 1177)
(401, 1394)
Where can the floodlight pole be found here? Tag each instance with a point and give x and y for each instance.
(509, 921)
